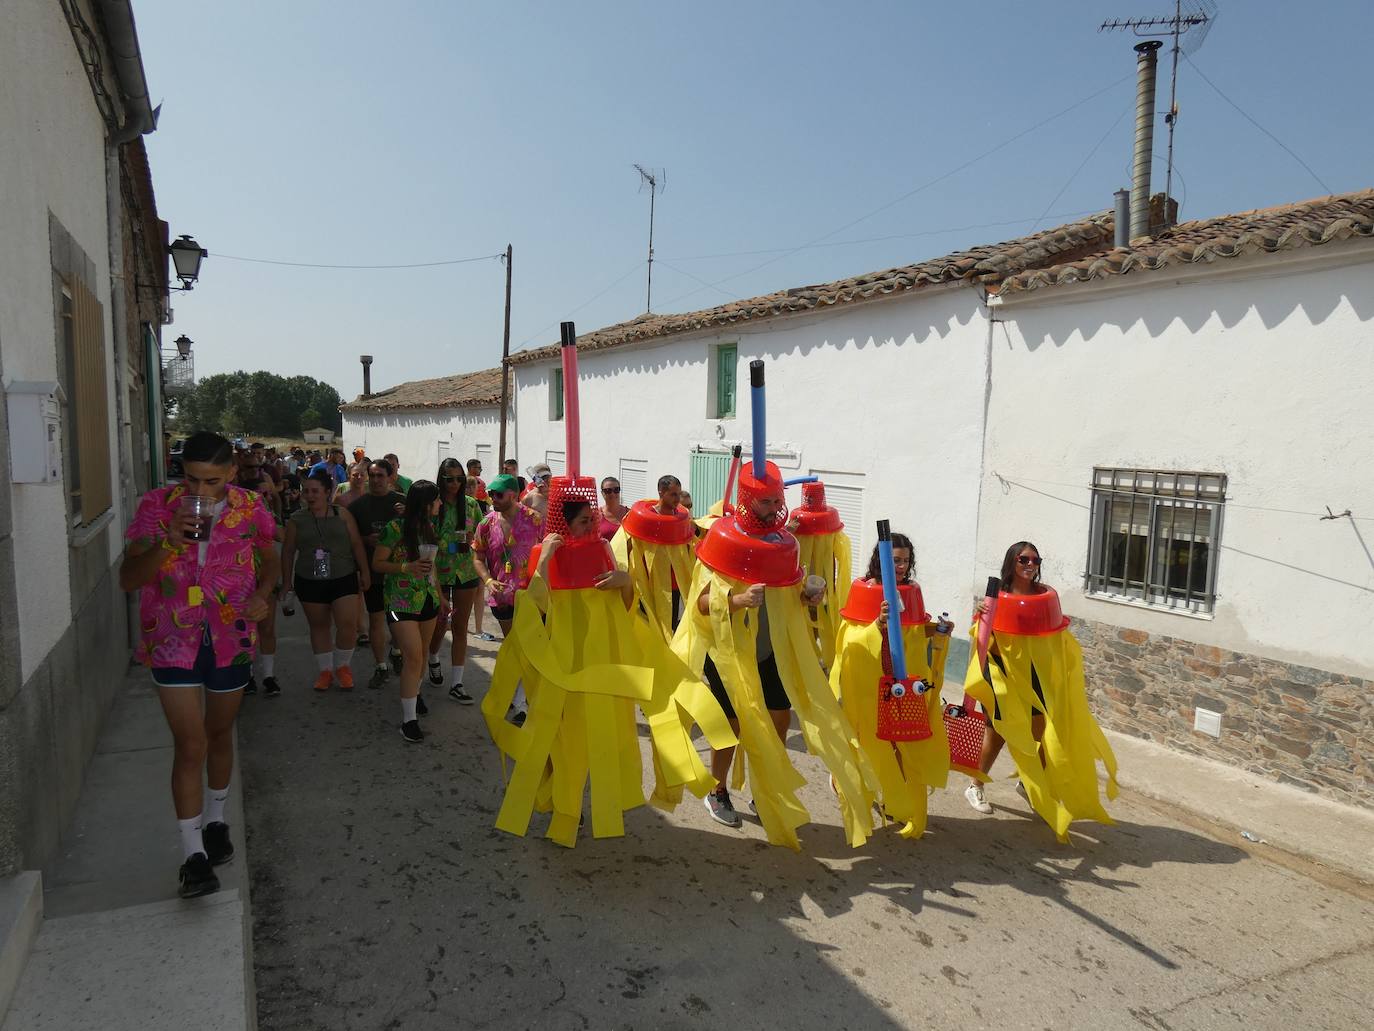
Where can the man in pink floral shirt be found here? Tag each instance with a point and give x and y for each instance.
(201, 596)
(502, 547)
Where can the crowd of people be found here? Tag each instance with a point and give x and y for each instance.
(377, 560)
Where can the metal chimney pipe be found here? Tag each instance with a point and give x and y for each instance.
(1145, 67)
(366, 359)
(1122, 221)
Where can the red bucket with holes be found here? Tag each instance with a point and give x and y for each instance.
(902, 714)
(966, 728)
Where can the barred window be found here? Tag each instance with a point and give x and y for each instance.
(1155, 535)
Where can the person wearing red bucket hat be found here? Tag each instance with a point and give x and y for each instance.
(1032, 690)
(748, 617)
(906, 769)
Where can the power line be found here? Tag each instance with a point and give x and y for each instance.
(923, 186)
(1068, 182)
(595, 297)
(1291, 153)
(309, 264)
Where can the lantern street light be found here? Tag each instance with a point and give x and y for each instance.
(184, 343)
(187, 256)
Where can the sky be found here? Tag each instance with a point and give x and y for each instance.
(800, 142)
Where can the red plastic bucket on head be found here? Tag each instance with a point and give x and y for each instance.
(966, 729)
(772, 559)
(865, 599)
(569, 488)
(815, 517)
(644, 522)
(577, 563)
(1029, 615)
(751, 488)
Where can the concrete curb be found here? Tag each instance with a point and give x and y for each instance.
(21, 916)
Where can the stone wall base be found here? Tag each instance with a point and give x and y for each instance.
(1295, 724)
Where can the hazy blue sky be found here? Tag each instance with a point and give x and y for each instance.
(373, 133)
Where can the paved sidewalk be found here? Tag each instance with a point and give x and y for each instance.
(117, 948)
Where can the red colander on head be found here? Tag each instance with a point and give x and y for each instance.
(750, 489)
(815, 517)
(579, 561)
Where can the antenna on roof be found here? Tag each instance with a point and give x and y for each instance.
(656, 179)
(1192, 19)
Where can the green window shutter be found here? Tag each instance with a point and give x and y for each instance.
(727, 357)
(557, 395)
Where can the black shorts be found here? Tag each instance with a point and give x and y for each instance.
(503, 613)
(430, 611)
(325, 592)
(774, 694)
(373, 597)
(448, 590)
(215, 679)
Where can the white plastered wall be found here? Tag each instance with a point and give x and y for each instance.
(52, 159)
(889, 393)
(416, 436)
(1259, 368)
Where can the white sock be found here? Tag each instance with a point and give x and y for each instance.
(325, 660)
(457, 674)
(407, 709)
(343, 657)
(383, 665)
(519, 701)
(191, 842)
(269, 663)
(214, 804)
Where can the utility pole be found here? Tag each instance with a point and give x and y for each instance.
(655, 181)
(505, 363)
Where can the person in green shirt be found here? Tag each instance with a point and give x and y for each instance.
(459, 585)
(405, 555)
(398, 482)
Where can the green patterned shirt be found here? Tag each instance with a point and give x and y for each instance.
(405, 592)
(455, 566)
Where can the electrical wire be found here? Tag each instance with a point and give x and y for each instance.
(1068, 182)
(918, 189)
(1287, 149)
(309, 264)
(595, 297)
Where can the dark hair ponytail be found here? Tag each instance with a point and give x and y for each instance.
(416, 526)
(205, 446)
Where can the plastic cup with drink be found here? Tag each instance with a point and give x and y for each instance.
(202, 512)
(427, 553)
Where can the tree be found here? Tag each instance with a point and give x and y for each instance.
(260, 404)
(310, 419)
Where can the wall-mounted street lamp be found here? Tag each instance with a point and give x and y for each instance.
(186, 258)
(183, 343)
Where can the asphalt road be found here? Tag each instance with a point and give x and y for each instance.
(383, 898)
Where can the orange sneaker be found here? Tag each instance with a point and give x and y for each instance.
(344, 675)
(323, 681)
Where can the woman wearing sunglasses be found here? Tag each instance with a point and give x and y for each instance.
(456, 525)
(1032, 683)
(612, 511)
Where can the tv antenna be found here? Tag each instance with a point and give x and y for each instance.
(1189, 26)
(656, 179)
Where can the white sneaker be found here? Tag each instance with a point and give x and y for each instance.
(974, 794)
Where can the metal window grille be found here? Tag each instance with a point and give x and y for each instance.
(727, 361)
(1155, 536)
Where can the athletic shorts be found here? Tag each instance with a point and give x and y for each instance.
(215, 679)
(326, 592)
(774, 694)
(503, 613)
(430, 611)
(448, 590)
(374, 597)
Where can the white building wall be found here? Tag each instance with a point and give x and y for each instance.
(421, 437)
(53, 159)
(887, 395)
(1262, 369)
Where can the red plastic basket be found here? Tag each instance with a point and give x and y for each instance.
(902, 714)
(966, 728)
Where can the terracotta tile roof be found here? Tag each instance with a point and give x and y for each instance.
(995, 260)
(466, 390)
(1266, 230)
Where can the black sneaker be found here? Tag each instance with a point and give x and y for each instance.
(395, 657)
(722, 810)
(378, 678)
(436, 673)
(270, 687)
(517, 716)
(197, 878)
(410, 730)
(218, 847)
(421, 709)
(460, 696)
(249, 688)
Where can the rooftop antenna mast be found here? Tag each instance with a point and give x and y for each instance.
(656, 180)
(1196, 17)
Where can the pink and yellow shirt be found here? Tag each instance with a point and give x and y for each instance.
(187, 596)
(507, 554)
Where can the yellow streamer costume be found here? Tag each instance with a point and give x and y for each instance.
(905, 769)
(827, 555)
(731, 638)
(1065, 787)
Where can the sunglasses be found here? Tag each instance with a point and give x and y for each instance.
(450, 479)
(1028, 560)
(542, 477)
(610, 490)
(497, 494)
